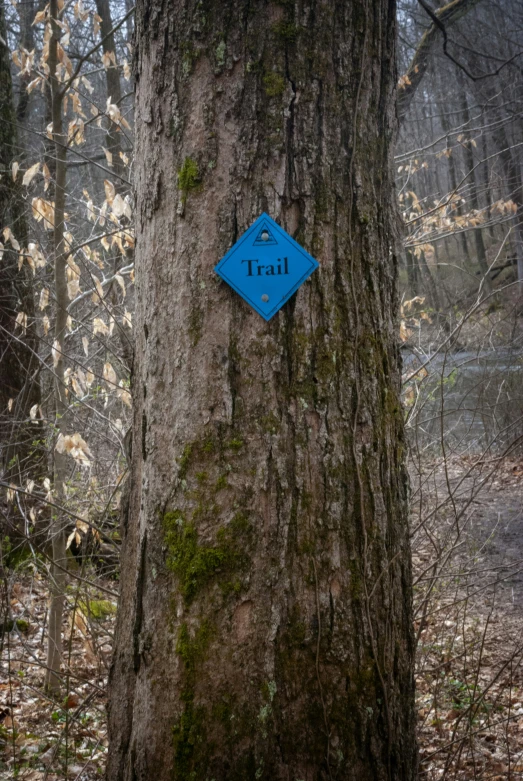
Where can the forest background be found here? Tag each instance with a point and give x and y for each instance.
(66, 213)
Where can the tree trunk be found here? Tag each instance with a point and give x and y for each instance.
(453, 177)
(27, 42)
(114, 92)
(470, 163)
(514, 187)
(22, 451)
(59, 562)
(265, 622)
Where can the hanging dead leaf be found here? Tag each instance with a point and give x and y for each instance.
(108, 60)
(97, 20)
(43, 210)
(75, 446)
(121, 282)
(21, 321)
(124, 396)
(56, 352)
(44, 298)
(8, 236)
(109, 374)
(98, 294)
(99, 327)
(88, 86)
(110, 191)
(36, 255)
(73, 288)
(40, 16)
(30, 174)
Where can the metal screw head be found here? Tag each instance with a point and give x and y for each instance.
(264, 236)
(265, 298)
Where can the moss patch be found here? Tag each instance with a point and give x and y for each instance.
(274, 84)
(197, 565)
(189, 731)
(9, 625)
(220, 54)
(286, 31)
(188, 177)
(98, 609)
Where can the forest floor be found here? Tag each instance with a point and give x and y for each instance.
(468, 567)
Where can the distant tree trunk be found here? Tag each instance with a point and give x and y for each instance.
(114, 146)
(27, 42)
(453, 177)
(58, 568)
(514, 191)
(413, 273)
(114, 91)
(486, 182)
(430, 283)
(265, 630)
(22, 453)
(470, 163)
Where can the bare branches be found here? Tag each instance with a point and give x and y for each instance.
(441, 21)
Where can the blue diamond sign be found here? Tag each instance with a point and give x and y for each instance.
(266, 266)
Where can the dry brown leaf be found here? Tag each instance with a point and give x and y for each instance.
(109, 374)
(30, 174)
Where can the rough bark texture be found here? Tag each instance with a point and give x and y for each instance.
(265, 621)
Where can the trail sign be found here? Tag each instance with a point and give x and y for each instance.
(266, 266)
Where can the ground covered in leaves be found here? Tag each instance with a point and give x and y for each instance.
(468, 562)
(41, 738)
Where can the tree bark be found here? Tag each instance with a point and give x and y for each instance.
(265, 621)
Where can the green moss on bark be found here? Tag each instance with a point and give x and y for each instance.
(189, 733)
(197, 565)
(274, 84)
(188, 178)
(285, 31)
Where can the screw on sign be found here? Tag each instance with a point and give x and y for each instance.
(266, 266)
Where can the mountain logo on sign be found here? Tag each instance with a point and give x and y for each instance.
(264, 236)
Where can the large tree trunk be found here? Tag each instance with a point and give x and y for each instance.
(265, 621)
